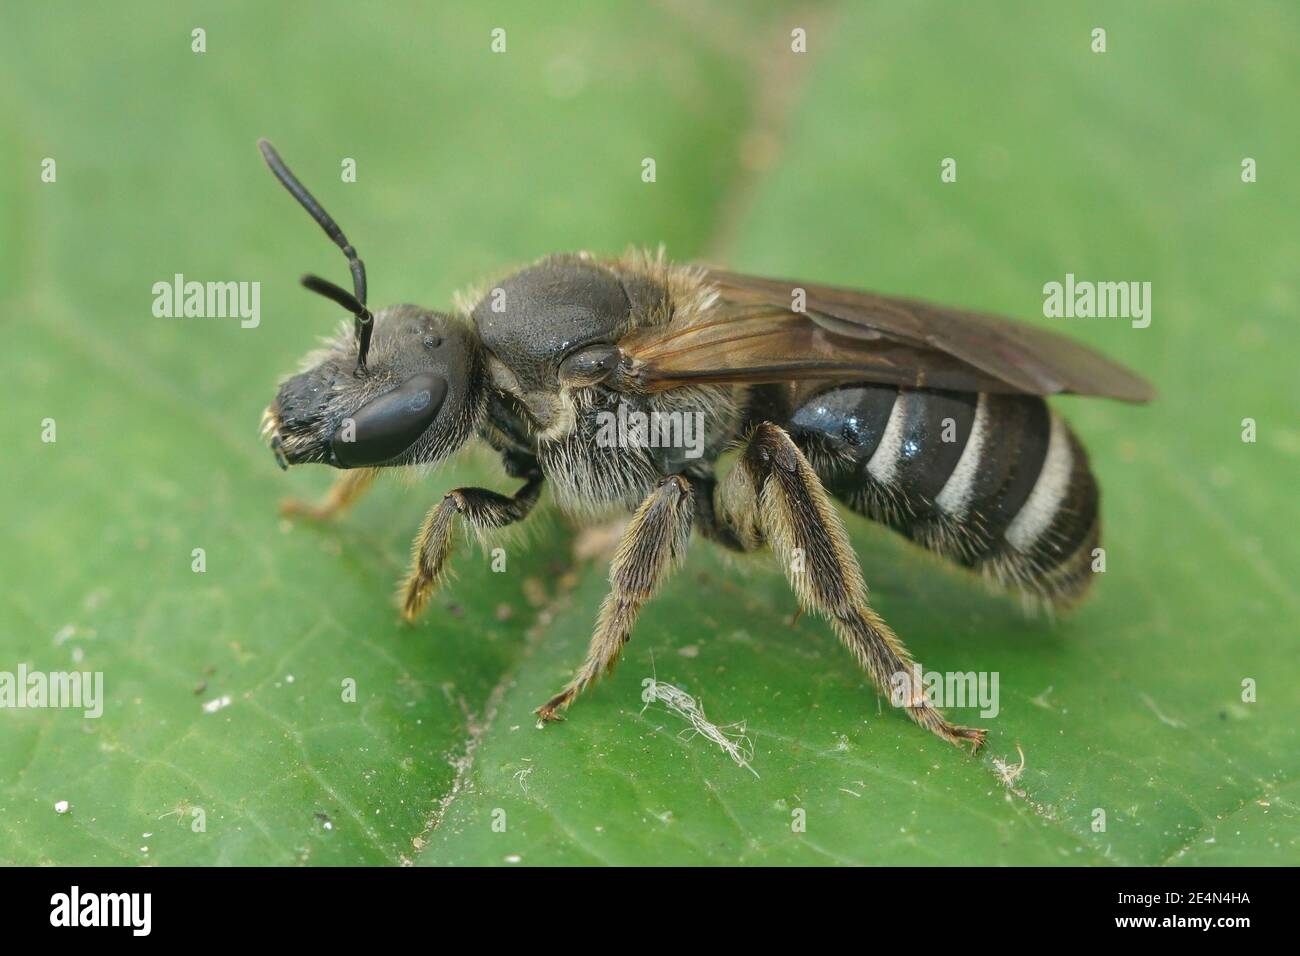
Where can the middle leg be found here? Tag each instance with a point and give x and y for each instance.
(652, 547)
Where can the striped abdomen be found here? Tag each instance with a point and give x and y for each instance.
(997, 483)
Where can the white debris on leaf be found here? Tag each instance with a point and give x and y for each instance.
(730, 737)
(1007, 772)
(61, 806)
(521, 777)
(216, 704)
(1008, 775)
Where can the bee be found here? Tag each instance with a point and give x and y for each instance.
(929, 420)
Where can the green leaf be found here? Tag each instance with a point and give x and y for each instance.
(1121, 166)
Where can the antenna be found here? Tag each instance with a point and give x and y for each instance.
(354, 302)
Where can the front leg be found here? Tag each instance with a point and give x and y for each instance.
(482, 511)
(773, 495)
(652, 547)
(343, 494)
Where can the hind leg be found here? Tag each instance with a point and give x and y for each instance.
(773, 495)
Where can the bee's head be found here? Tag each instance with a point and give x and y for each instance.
(417, 401)
(402, 389)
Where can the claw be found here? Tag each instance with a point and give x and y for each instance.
(976, 736)
(551, 710)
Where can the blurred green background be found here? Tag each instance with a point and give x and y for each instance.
(825, 165)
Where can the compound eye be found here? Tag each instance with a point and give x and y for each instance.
(386, 426)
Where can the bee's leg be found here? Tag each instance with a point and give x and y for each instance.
(651, 548)
(482, 510)
(343, 494)
(773, 495)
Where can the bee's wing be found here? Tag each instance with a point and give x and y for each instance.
(752, 335)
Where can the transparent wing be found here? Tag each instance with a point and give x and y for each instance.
(753, 335)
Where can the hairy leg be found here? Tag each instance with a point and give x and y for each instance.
(652, 547)
(773, 495)
(482, 511)
(343, 494)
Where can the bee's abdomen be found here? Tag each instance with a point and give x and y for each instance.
(998, 483)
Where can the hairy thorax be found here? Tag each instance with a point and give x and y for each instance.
(614, 448)
(604, 446)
